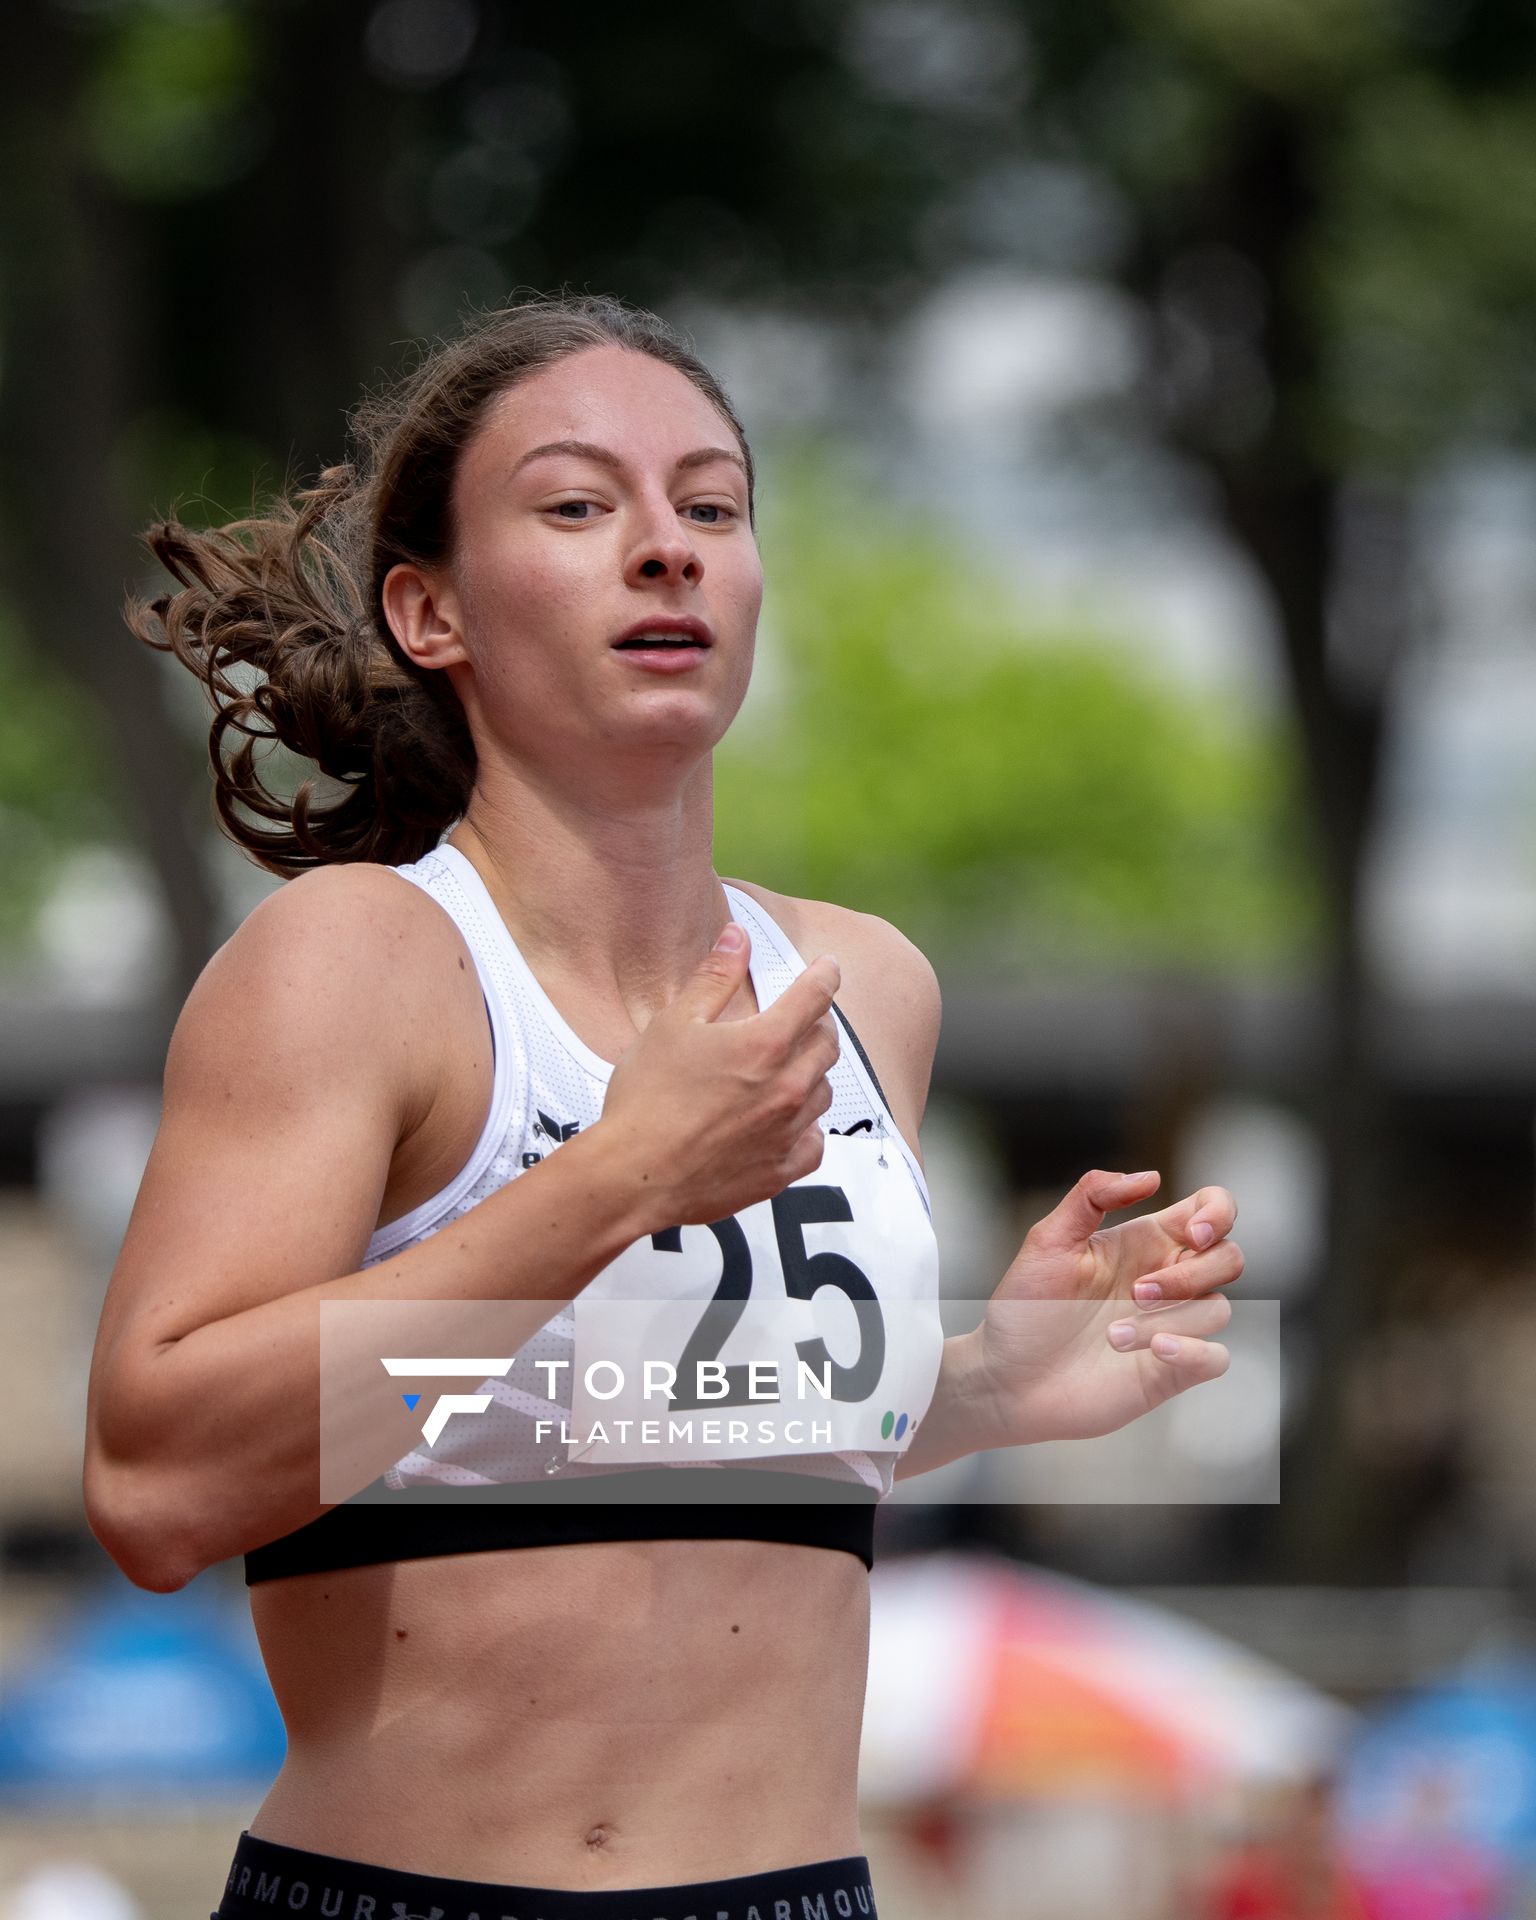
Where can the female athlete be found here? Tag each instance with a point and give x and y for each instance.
(504, 1026)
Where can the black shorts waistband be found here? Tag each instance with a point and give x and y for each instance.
(267, 1878)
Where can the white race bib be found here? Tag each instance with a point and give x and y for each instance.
(808, 1323)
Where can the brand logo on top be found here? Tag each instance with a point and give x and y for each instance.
(555, 1131)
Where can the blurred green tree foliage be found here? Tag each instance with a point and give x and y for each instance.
(1339, 193)
(171, 108)
(55, 781)
(1008, 786)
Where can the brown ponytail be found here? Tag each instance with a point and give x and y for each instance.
(280, 615)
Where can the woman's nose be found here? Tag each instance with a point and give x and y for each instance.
(664, 550)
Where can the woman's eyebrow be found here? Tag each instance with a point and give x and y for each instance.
(587, 449)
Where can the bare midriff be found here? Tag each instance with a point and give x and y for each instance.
(612, 1714)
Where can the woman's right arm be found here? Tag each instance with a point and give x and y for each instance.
(291, 1077)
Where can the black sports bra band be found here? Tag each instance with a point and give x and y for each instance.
(421, 1522)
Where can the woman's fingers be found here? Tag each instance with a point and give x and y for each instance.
(1208, 1214)
(1190, 1274)
(1178, 1322)
(1081, 1210)
(1189, 1360)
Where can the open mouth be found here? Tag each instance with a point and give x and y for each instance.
(650, 641)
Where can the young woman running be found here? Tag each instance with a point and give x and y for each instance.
(505, 1031)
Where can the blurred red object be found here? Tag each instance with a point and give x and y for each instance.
(1295, 1872)
(1262, 1883)
(992, 1681)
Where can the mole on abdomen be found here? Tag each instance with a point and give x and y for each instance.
(461, 963)
(401, 1632)
(735, 1629)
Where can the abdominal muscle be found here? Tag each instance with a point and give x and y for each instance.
(602, 1715)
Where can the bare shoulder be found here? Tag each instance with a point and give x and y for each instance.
(359, 907)
(336, 932)
(861, 940)
(316, 973)
(890, 991)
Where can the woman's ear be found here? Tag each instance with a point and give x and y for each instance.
(424, 615)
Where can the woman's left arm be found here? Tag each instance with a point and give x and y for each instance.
(1072, 1345)
(1066, 1348)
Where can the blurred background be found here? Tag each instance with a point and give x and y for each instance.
(1145, 404)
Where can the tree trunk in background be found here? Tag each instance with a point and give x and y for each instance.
(1283, 506)
(290, 316)
(72, 326)
(1327, 1498)
(306, 255)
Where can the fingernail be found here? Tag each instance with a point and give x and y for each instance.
(1145, 1174)
(1122, 1334)
(1201, 1233)
(730, 940)
(1147, 1291)
(1165, 1346)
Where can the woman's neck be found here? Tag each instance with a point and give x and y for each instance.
(614, 891)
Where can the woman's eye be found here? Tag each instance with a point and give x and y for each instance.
(575, 512)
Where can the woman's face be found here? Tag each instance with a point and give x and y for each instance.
(561, 551)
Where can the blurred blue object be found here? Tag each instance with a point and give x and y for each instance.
(1456, 1757)
(140, 1697)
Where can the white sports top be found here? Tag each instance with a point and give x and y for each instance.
(548, 1084)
